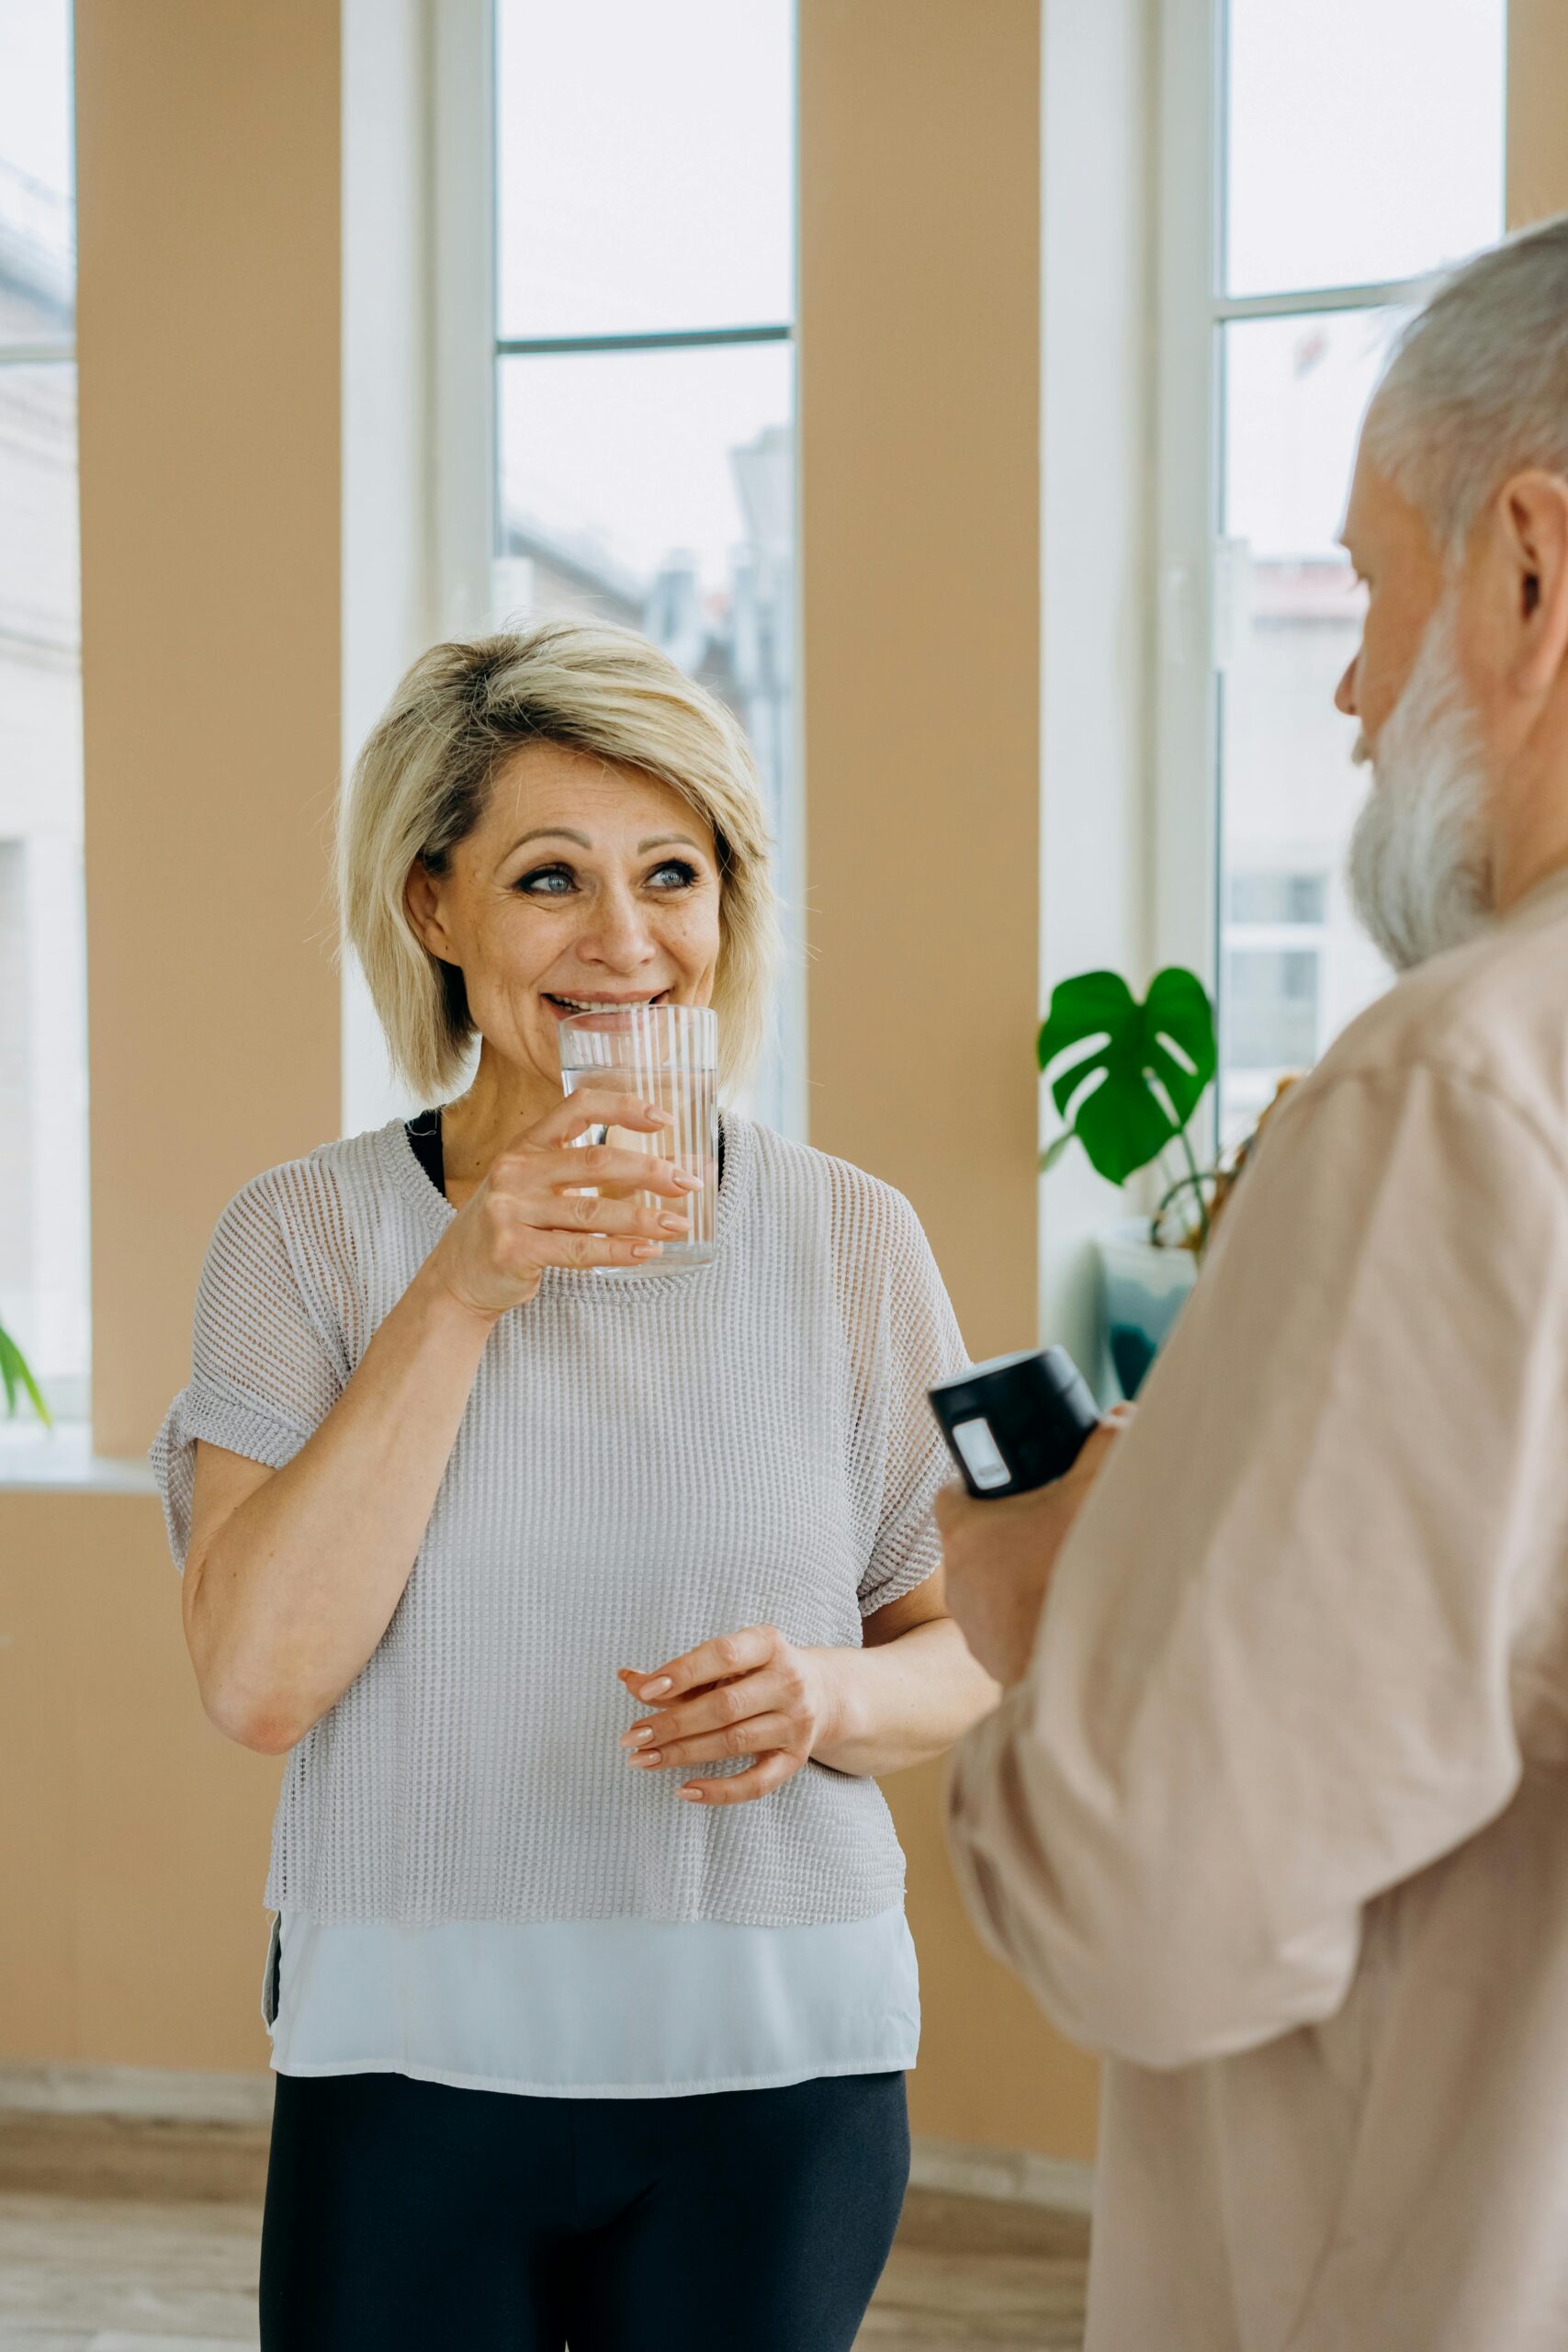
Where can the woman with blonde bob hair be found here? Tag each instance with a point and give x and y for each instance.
(586, 1611)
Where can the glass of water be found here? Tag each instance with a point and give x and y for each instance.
(668, 1054)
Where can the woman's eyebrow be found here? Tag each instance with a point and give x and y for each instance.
(551, 833)
(665, 840)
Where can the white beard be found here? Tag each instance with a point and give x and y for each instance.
(1417, 866)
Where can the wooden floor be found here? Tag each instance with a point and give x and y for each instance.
(141, 2237)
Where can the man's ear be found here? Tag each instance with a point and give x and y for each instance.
(1533, 512)
(422, 901)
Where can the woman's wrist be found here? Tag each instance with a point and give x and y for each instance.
(842, 1712)
(447, 1310)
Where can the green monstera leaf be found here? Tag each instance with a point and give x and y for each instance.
(1135, 1090)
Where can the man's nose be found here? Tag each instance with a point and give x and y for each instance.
(1345, 692)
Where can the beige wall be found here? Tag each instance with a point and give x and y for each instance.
(134, 1838)
(208, 158)
(920, 408)
(919, 317)
(1538, 110)
(208, 151)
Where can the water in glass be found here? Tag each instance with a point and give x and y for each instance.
(667, 1053)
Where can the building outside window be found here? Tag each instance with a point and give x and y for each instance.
(645, 309)
(43, 1087)
(1357, 146)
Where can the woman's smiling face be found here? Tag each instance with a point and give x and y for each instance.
(582, 884)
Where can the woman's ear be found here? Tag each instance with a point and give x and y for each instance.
(422, 899)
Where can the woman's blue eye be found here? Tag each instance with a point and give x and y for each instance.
(556, 881)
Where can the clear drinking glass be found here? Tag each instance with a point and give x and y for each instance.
(668, 1053)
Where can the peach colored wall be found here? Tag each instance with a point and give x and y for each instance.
(207, 161)
(135, 1838)
(208, 223)
(919, 428)
(1538, 110)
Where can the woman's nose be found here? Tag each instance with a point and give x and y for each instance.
(619, 932)
(1345, 692)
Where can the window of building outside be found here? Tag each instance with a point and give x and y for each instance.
(1335, 199)
(645, 354)
(43, 1079)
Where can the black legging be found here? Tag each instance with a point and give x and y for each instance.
(409, 2217)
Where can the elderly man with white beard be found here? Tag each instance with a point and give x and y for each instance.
(1274, 1811)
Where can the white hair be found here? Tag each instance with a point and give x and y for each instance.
(1477, 389)
(1418, 865)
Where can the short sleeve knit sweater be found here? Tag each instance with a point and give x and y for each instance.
(644, 1462)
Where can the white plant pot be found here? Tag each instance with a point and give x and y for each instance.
(1142, 1293)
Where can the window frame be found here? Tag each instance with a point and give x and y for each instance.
(463, 312)
(68, 1394)
(1187, 923)
(468, 353)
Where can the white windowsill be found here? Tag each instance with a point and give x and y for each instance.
(34, 1459)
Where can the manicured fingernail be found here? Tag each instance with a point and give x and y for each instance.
(674, 1224)
(639, 1738)
(692, 1796)
(649, 1756)
(657, 1689)
(646, 1248)
(684, 1176)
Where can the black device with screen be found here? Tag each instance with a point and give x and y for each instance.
(1016, 1422)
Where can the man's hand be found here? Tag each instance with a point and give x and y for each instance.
(999, 1554)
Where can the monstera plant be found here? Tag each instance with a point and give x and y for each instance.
(1137, 1073)
(15, 1377)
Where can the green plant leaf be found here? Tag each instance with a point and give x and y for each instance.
(1136, 1088)
(16, 1372)
(1053, 1151)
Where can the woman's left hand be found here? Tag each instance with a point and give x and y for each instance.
(751, 1694)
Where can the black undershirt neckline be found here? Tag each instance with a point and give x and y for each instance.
(424, 1133)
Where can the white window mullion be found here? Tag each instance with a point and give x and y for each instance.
(463, 312)
(1185, 844)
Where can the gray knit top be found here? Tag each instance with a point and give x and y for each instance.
(644, 1463)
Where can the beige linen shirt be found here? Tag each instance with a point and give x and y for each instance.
(1278, 1820)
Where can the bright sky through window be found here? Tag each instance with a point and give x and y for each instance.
(646, 165)
(1366, 139)
(646, 196)
(35, 91)
(1365, 147)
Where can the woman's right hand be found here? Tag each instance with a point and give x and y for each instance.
(525, 1216)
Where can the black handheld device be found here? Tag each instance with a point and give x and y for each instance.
(1018, 1421)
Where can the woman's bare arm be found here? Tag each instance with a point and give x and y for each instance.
(292, 1575)
(910, 1693)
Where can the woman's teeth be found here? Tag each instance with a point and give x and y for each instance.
(608, 1003)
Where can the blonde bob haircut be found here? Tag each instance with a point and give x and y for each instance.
(421, 784)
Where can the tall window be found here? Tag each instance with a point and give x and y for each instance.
(1358, 146)
(43, 1151)
(645, 366)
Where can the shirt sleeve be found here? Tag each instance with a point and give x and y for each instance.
(267, 1366)
(921, 1344)
(1273, 1678)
